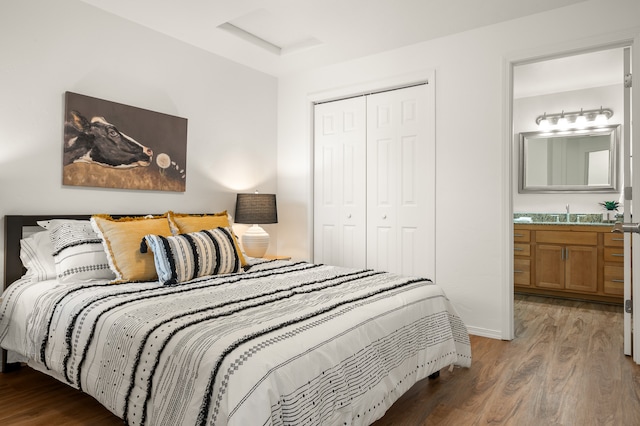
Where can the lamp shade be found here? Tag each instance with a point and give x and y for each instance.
(256, 209)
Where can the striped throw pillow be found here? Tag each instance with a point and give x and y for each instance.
(183, 257)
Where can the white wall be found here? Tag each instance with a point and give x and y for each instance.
(47, 48)
(525, 111)
(473, 181)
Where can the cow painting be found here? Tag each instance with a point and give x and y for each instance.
(112, 145)
(100, 142)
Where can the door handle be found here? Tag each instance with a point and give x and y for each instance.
(626, 227)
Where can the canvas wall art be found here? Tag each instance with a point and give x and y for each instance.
(111, 145)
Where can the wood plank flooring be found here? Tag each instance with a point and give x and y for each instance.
(565, 367)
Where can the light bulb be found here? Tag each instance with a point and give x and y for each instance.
(581, 121)
(544, 123)
(563, 123)
(601, 118)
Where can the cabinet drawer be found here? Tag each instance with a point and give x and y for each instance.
(522, 272)
(521, 249)
(613, 254)
(567, 237)
(614, 240)
(521, 235)
(614, 280)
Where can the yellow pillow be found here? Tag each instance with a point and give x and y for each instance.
(182, 223)
(186, 223)
(121, 239)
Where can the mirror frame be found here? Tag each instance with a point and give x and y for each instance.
(612, 130)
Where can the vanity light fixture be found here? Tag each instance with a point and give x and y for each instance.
(578, 119)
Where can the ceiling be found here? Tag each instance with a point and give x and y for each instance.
(279, 37)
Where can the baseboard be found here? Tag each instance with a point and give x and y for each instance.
(483, 332)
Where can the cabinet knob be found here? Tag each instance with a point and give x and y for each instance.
(384, 216)
(349, 216)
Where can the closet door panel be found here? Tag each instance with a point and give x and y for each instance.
(384, 248)
(352, 254)
(408, 171)
(400, 118)
(328, 239)
(408, 245)
(382, 182)
(339, 183)
(382, 244)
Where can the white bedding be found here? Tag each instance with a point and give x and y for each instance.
(284, 343)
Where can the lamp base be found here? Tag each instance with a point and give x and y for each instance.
(255, 241)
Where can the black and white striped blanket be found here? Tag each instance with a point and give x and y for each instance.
(282, 344)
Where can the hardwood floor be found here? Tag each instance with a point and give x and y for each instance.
(565, 367)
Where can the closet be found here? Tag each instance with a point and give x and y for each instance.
(374, 182)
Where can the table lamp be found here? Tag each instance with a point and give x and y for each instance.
(256, 209)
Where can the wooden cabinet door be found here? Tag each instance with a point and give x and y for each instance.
(522, 272)
(581, 264)
(550, 266)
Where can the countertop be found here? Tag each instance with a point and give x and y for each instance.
(561, 219)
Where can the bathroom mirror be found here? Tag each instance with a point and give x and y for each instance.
(570, 161)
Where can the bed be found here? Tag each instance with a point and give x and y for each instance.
(275, 343)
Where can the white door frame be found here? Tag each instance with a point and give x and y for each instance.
(626, 38)
(627, 208)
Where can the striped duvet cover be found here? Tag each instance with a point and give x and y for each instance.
(284, 343)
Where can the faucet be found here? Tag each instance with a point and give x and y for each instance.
(567, 208)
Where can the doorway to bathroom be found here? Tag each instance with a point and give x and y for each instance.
(566, 111)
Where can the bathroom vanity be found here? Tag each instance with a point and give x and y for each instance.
(577, 261)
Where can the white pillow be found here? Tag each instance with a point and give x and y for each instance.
(78, 252)
(36, 254)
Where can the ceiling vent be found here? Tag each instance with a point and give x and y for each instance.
(271, 33)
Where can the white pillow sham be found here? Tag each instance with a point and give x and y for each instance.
(36, 254)
(78, 252)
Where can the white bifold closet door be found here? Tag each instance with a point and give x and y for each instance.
(400, 187)
(339, 183)
(374, 180)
